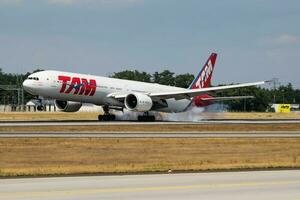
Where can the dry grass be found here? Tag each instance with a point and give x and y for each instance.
(45, 116)
(45, 156)
(254, 115)
(155, 128)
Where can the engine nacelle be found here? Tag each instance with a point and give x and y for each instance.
(68, 106)
(138, 102)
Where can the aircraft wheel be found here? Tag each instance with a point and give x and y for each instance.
(100, 117)
(146, 118)
(111, 117)
(151, 118)
(106, 117)
(40, 108)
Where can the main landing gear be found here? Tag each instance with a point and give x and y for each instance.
(146, 117)
(110, 117)
(107, 116)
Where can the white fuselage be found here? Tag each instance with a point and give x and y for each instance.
(48, 85)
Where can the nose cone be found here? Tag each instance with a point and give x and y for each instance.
(27, 85)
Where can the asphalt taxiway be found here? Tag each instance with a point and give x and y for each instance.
(259, 185)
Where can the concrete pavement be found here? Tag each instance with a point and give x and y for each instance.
(258, 185)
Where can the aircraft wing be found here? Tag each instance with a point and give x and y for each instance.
(188, 93)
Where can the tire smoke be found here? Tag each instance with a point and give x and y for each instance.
(194, 114)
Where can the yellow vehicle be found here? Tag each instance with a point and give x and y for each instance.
(284, 108)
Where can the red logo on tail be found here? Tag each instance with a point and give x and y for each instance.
(203, 79)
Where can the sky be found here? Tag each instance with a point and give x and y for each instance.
(255, 39)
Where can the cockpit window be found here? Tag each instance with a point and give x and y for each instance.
(33, 78)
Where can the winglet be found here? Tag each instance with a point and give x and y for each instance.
(269, 81)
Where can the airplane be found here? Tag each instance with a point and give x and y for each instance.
(71, 90)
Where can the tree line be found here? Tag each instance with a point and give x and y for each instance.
(263, 96)
(10, 88)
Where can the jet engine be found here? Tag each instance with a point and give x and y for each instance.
(68, 106)
(138, 102)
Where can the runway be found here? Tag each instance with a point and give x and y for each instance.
(223, 134)
(98, 123)
(258, 185)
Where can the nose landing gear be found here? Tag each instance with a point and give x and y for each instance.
(40, 106)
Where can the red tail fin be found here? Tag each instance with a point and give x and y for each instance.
(203, 79)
